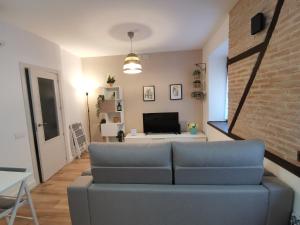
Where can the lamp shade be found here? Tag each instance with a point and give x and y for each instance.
(132, 64)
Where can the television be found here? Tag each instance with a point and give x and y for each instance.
(167, 122)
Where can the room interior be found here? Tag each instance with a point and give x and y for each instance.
(203, 96)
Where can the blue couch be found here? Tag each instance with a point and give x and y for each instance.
(216, 183)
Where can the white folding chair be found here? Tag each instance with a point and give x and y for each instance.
(79, 139)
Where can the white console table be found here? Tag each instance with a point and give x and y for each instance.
(183, 137)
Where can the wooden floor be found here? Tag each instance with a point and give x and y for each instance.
(50, 198)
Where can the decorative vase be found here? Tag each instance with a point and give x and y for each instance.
(193, 130)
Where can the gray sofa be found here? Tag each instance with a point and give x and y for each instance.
(217, 183)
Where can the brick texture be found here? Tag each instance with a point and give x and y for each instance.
(239, 76)
(240, 24)
(272, 109)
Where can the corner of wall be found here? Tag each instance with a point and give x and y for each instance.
(220, 35)
(73, 99)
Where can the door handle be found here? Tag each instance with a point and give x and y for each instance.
(42, 124)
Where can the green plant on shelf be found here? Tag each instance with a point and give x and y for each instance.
(100, 99)
(197, 83)
(110, 80)
(197, 72)
(197, 94)
(192, 125)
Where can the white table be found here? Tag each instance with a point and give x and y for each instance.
(10, 179)
(183, 137)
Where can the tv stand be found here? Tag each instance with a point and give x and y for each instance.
(176, 133)
(167, 137)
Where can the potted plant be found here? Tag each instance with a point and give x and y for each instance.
(193, 128)
(110, 80)
(197, 84)
(100, 99)
(197, 73)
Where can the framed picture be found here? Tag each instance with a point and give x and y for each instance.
(149, 93)
(175, 91)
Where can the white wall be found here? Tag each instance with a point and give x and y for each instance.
(23, 47)
(74, 98)
(289, 178)
(213, 134)
(159, 69)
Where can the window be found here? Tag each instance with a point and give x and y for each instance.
(218, 84)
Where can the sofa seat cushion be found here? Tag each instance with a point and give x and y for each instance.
(131, 163)
(219, 163)
(136, 204)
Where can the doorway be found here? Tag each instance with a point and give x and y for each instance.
(45, 115)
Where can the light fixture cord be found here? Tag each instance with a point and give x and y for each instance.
(131, 35)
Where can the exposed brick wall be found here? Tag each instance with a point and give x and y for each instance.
(272, 109)
(239, 76)
(240, 24)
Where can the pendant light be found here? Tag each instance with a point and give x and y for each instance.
(132, 63)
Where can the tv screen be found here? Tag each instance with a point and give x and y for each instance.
(161, 122)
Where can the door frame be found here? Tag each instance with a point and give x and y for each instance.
(32, 137)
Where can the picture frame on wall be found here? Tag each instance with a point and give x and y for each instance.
(175, 91)
(149, 93)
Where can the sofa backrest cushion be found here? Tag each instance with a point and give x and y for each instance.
(218, 163)
(131, 163)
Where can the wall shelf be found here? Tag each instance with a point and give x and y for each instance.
(198, 91)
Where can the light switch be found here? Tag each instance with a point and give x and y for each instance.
(19, 135)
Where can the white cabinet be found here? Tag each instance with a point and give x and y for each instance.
(183, 137)
(111, 129)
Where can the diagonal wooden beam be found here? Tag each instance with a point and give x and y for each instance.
(246, 54)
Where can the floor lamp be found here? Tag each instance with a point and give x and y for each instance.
(88, 111)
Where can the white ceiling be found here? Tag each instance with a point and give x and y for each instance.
(99, 27)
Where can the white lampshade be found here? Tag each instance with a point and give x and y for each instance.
(132, 64)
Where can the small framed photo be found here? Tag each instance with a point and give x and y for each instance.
(149, 93)
(175, 91)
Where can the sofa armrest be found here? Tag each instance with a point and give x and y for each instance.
(78, 200)
(280, 201)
